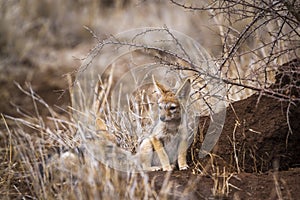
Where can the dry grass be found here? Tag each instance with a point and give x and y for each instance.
(47, 160)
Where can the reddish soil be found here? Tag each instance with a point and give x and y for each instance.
(267, 153)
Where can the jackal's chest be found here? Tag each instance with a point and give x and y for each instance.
(166, 130)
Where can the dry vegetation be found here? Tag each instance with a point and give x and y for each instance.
(250, 41)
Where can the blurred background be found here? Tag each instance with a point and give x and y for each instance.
(41, 41)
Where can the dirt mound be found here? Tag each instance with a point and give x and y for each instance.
(260, 134)
(265, 133)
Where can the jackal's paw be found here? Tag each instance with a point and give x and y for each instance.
(154, 168)
(167, 168)
(184, 167)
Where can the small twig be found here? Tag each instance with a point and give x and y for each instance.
(234, 146)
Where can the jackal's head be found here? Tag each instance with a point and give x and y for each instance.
(169, 102)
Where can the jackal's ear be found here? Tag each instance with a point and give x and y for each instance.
(184, 91)
(159, 87)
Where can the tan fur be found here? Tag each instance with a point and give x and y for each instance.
(168, 124)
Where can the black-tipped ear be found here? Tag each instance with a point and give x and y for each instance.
(184, 91)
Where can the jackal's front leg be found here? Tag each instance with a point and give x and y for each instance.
(182, 151)
(162, 155)
(146, 153)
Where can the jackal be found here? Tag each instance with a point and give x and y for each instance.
(168, 127)
(165, 143)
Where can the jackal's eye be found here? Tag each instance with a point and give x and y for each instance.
(160, 106)
(173, 107)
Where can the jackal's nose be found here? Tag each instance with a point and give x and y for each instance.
(162, 118)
